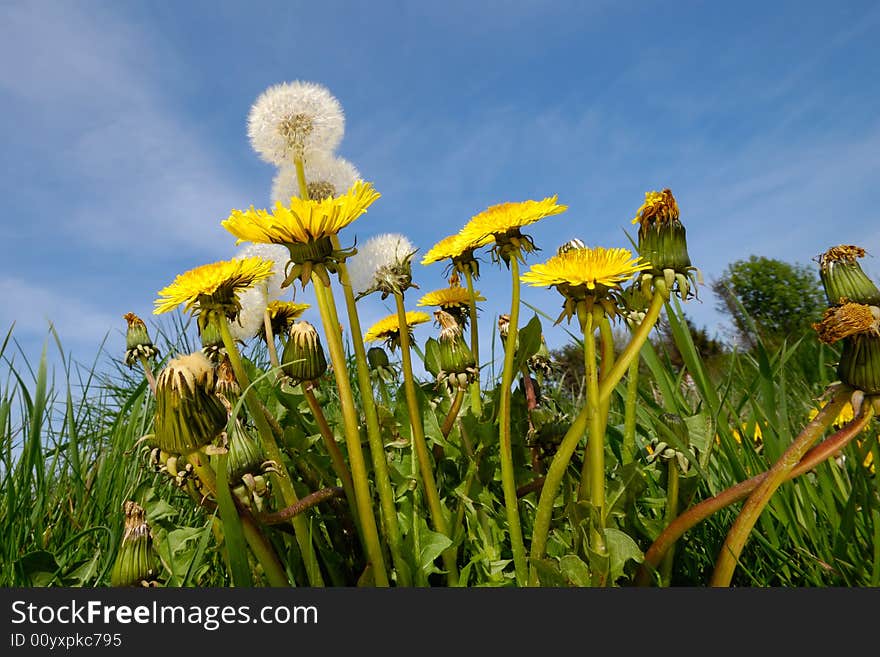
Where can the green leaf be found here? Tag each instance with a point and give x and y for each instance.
(528, 342)
(38, 568)
(432, 546)
(577, 572)
(432, 356)
(548, 573)
(621, 548)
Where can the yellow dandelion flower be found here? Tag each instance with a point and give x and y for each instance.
(301, 221)
(498, 220)
(216, 285)
(449, 297)
(282, 315)
(453, 247)
(757, 434)
(592, 268)
(388, 328)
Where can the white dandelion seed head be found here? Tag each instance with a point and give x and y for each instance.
(279, 255)
(326, 174)
(250, 318)
(295, 119)
(378, 253)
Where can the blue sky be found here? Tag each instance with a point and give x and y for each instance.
(124, 142)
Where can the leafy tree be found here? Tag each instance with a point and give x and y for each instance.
(769, 299)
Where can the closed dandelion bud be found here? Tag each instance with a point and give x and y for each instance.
(137, 341)
(135, 562)
(188, 413)
(303, 357)
(843, 278)
(858, 326)
(859, 364)
(455, 354)
(377, 357)
(245, 455)
(540, 362)
(225, 383)
(663, 244)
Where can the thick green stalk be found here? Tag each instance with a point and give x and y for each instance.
(336, 456)
(559, 464)
(739, 532)
(606, 363)
(420, 445)
(596, 440)
(454, 409)
(738, 492)
(374, 432)
(257, 542)
(476, 398)
(671, 513)
(272, 451)
(508, 477)
(324, 296)
(628, 450)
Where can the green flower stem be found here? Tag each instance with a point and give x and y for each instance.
(628, 450)
(508, 477)
(596, 441)
(607, 362)
(301, 178)
(420, 445)
(476, 398)
(336, 456)
(453, 412)
(739, 532)
(640, 335)
(374, 432)
(148, 372)
(559, 464)
(272, 451)
(324, 296)
(671, 513)
(738, 492)
(270, 341)
(257, 542)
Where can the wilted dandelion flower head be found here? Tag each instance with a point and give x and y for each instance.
(383, 264)
(586, 277)
(843, 278)
(326, 177)
(503, 223)
(295, 120)
(387, 329)
(213, 286)
(305, 227)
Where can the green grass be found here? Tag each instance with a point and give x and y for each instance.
(69, 461)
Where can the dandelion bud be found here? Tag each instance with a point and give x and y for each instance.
(377, 357)
(188, 413)
(458, 367)
(135, 562)
(137, 341)
(843, 278)
(663, 244)
(225, 383)
(245, 455)
(541, 363)
(303, 357)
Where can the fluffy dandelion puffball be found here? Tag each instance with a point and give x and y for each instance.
(295, 120)
(215, 284)
(301, 221)
(589, 267)
(326, 176)
(379, 254)
(254, 300)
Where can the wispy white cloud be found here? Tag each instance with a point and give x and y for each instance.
(143, 177)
